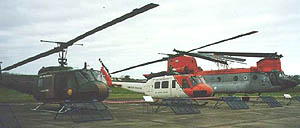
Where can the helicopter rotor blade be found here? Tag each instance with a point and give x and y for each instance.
(238, 36)
(169, 55)
(54, 50)
(223, 57)
(144, 64)
(190, 54)
(234, 59)
(71, 42)
(245, 54)
(113, 22)
(200, 56)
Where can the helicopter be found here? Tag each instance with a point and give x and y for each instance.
(56, 84)
(171, 85)
(267, 76)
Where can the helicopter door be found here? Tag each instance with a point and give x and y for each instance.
(156, 89)
(174, 89)
(46, 86)
(161, 88)
(274, 79)
(60, 85)
(165, 87)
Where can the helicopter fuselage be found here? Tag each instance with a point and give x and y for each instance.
(267, 76)
(71, 84)
(171, 86)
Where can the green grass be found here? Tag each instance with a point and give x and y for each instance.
(123, 94)
(12, 96)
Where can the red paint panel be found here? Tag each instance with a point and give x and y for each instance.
(178, 64)
(268, 65)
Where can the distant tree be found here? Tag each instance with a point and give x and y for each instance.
(127, 77)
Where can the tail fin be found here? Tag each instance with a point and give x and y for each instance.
(107, 77)
(105, 72)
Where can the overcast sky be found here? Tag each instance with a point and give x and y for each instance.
(183, 25)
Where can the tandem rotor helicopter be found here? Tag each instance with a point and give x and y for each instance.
(267, 76)
(56, 84)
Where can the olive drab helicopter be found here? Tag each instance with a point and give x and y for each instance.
(60, 83)
(267, 76)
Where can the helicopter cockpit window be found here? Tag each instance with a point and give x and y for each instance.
(99, 76)
(185, 83)
(80, 78)
(88, 75)
(195, 80)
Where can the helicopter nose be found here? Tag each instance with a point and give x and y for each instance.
(202, 90)
(103, 92)
(287, 83)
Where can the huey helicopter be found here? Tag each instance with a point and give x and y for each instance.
(171, 86)
(266, 77)
(57, 84)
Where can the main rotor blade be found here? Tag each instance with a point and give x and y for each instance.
(144, 64)
(238, 36)
(115, 21)
(223, 57)
(245, 54)
(200, 56)
(54, 50)
(97, 29)
(234, 59)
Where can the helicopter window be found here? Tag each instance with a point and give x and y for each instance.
(98, 75)
(254, 77)
(88, 75)
(195, 80)
(80, 78)
(45, 81)
(185, 84)
(157, 85)
(40, 83)
(235, 78)
(165, 84)
(219, 79)
(173, 83)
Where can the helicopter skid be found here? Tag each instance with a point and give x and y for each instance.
(39, 108)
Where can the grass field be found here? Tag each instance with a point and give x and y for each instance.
(12, 96)
(123, 94)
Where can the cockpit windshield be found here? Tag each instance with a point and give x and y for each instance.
(88, 75)
(99, 76)
(84, 76)
(195, 80)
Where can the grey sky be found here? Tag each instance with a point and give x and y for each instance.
(183, 25)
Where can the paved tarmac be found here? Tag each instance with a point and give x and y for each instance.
(135, 116)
